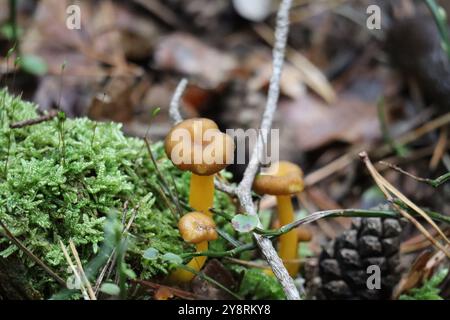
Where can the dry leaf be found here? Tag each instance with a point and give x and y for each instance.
(258, 63)
(311, 75)
(185, 54)
(414, 276)
(350, 120)
(215, 270)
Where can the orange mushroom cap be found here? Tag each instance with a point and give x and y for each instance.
(196, 227)
(281, 178)
(197, 145)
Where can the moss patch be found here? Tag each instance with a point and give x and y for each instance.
(60, 185)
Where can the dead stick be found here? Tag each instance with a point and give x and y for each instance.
(26, 123)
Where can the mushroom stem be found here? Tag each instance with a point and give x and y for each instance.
(182, 275)
(201, 194)
(288, 243)
(201, 198)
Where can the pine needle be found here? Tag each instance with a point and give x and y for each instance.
(389, 189)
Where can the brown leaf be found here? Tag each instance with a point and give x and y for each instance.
(90, 55)
(350, 120)
(415, 275)
(259, 65)
(117, 100)
(215, 270)
(183, 53)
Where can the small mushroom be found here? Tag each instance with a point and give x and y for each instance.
(197, 145)
(196, 227)
(283, 179)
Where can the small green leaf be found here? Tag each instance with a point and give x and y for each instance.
(244, 223)
(110, 288)
(172, 258)
(442, 14)
(17, 62)
(10, 52)
(8, 32)
(129, 273)
(156, 111)
(61, 116)
(151, 254)
(34, 65)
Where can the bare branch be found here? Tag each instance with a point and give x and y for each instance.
(244, 188)
(27, 252)
(49, 116)
(243, 191)
(281, 34)
(174, 110)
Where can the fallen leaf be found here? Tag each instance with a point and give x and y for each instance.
(217, 271)
(350, 120)
(259, 65)
(183, 53)
(415, 275)
(311, 75)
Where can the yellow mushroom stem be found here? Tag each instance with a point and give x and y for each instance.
(201, 194)
(201, 197)
(288, 243)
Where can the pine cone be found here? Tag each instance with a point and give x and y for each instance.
(343, 263)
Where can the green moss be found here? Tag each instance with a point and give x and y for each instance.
(50, 192)
(256, 284)
(430, 289)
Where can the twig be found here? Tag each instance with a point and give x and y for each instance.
(108, 267)
(244, 188)
(235, 243)
(440, 150)
(74, 270)
(186, 295)
(161, 11)
(345, 160)
(47, 117)
(174, 110)
(211, 280)
(81, 270)
(336, 213)
(243, 191)
(39, 262)
(432, 182)
(163, 180)
(316, 216)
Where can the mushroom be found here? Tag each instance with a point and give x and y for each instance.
(283, 179)
(197, 145)
(196, 227)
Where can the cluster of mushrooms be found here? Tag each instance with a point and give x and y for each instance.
(205, 152)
